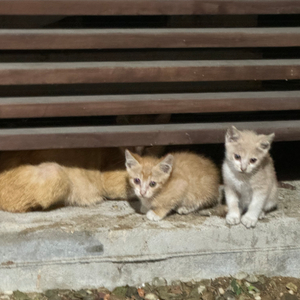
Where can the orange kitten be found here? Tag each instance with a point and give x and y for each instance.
(183, 182)
(40, 179)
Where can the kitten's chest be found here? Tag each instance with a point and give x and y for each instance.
(244, 189)
(239, 182)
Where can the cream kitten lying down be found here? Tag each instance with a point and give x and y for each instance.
(249, 176)
(183, 182)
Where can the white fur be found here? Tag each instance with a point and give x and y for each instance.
(152, 216)
(252, 190)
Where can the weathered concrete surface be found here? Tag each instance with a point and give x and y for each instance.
(111, 245)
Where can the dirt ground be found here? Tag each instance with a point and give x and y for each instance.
(240, 287)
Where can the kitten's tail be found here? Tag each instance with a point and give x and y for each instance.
(30, 187)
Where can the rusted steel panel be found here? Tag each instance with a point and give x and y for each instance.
(111, 136)
(44, 39)
(147, 7)
(153, 71)
(39, 107)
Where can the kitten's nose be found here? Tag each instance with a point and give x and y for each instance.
(143, 192)
(243, 166)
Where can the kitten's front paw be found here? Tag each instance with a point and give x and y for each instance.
(143, 209)
(249, 221)
(152, 216)
(233, 218)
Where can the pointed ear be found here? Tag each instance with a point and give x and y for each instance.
(130, 160)
(166, 164)
(232, 135)
(266, 141)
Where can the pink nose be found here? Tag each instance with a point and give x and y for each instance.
(143, 193)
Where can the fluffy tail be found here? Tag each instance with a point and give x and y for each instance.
(28, 187)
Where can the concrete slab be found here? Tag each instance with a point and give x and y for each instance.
(111, 245)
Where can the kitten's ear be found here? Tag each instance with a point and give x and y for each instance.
(232, 135)
(130, 160)
(166, 164)
(266, 141)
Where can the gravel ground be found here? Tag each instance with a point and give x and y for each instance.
(240, 287)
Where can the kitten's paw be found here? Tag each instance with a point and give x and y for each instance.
(184, 210)
(152, 216)
(262, 215)
(249, 221)
(143, 209)
(233, 218)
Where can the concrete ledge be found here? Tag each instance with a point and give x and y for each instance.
(111, 245)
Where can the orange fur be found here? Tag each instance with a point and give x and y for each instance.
(183, 181)
(40, 179)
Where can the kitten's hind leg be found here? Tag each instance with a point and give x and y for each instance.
(271, 203)
(262, 215)
(184, 210)
(52, 185)
(197, 205)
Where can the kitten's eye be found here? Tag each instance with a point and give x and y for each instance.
(152, 183)
(136, 181)
(237, 157)
(253, 160)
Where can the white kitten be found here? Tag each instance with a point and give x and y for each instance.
(249, 176)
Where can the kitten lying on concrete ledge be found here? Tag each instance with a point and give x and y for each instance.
(184, 182)
(39, 179)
